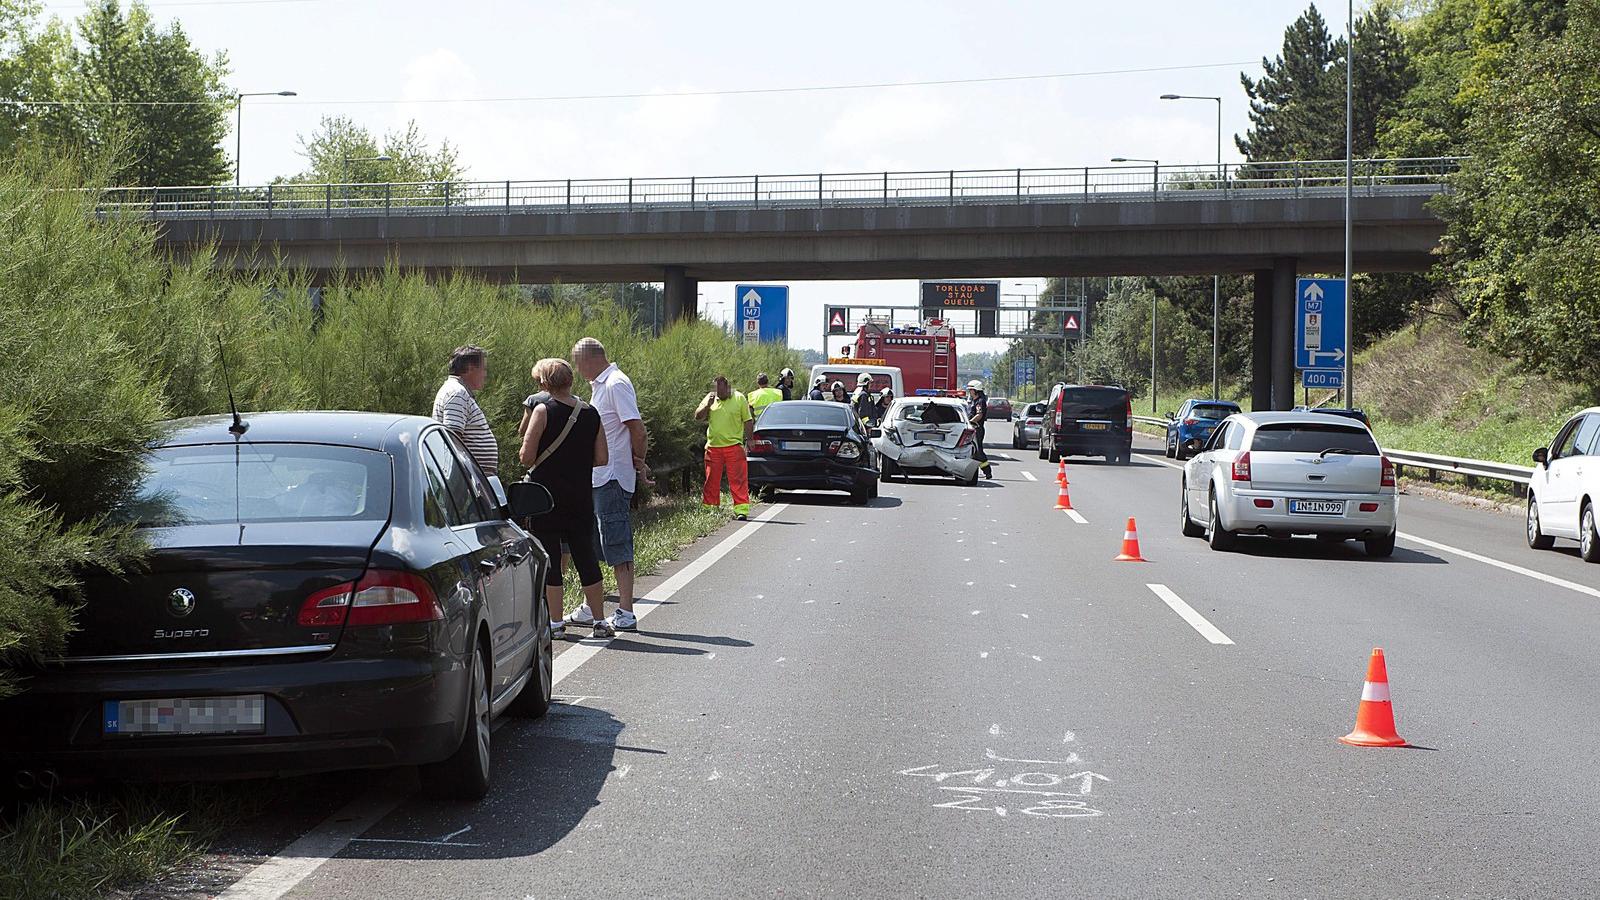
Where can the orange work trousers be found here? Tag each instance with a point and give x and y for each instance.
(730, 460)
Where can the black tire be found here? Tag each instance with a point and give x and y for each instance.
(1190, 529)
(1041, 449)
(465, 774)
(1588, 538)
(1171, 449)
(534, 699)
(1380, 547)
(887, 468)
(872, 490)
(1125, 457)
(1218, 537)
(1055, 455)
(971, 482)
(1537, 539)
(859, 496)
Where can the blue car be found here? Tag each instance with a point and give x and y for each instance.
(1195, 419)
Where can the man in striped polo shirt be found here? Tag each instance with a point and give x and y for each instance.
(455, 408)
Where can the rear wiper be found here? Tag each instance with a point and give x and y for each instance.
(1345, 450)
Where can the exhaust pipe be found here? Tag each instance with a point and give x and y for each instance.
(25, 780)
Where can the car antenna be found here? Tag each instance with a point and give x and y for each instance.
(239, 426)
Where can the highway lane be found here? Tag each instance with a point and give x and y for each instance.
(955, 691)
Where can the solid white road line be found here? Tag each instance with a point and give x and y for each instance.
(1207, 630)
(295, 863)
(1028, 475)
(1075, 516)
(1490, 561)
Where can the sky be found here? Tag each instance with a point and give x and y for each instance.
(384, 62)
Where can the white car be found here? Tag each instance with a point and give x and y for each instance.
(1287, 473)
(927, 436)
(1565, 487)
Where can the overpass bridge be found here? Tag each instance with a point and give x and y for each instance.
(1272, 220)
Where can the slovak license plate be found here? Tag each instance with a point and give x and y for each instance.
(812, 446)
(244, 714)
(1317, 507)
(1092, 426)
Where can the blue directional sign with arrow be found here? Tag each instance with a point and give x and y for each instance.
(765, 311)
(1319, 323)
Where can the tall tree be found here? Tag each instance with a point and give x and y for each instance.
(341, 151)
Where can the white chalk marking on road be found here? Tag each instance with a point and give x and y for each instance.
(454, 834)
(983, 655)
(780, 659)
(1069, 737)
(971, 583)
(995, 729)
(714, 775)
(1009, 585)
(713, 655)
(976, 611)
(293, 864)
(1024, 615)
(362, 840)
(1028, 475)
(1072, 758)
(1207, 630)
(1037, 659)
(623, 770)
(1509, 567)
(1076, 516)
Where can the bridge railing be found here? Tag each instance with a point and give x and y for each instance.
(1099, 184)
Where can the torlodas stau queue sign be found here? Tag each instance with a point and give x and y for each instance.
(960, 294)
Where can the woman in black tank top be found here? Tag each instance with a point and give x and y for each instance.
(563, 442)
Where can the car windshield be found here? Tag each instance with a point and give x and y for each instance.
(929, 413)
(799, 415)
(255, 483)
(1035, 409)
(1213, 411)
(1306, 437)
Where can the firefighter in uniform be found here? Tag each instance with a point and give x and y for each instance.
(978, 414)
(864, 402)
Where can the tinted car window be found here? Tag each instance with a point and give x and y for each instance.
(1035, 410)
(1235, 439)
(799, 415)
(456, 484)
(1562, 445)
(1212, 412)
(929, 413)
(1220, 435)
(438, 510)
(1082, 400)
(1584, 443)
(482, 494)
(224, 483)
(1302, 437)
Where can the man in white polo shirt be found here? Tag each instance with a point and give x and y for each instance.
(616, 481)
(455, 408)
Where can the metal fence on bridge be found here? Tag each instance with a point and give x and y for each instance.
(1099, 184)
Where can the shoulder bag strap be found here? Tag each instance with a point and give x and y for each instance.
(572, 420)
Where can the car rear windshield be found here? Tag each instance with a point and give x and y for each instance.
(244, 483)
(1213, 412)
(929, 413)
(880, 380)
(1304, 437)
(799, 415)
(1106, 398)
(1035, 409)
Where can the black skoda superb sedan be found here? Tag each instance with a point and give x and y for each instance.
(323, 590)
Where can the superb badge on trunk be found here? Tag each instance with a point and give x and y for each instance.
(181, 602)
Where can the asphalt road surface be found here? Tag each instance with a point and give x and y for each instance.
(955, 692)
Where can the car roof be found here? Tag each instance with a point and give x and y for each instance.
(952, 401)
(792, 404)
(366, 430)
(1212, 402)
(1284, 418)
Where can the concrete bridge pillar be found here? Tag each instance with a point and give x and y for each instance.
(675, 295)
(1283, 275)
(1261, 343)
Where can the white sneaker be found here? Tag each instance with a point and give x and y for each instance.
(580, 617)
(623, 620)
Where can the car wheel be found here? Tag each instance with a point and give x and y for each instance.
(1382, 546)
(1042, 454)
(1537, 539)
(860, 496)
(1218, 537)
(1125, 457)
(465, 774)
(872, 490)
(1055, 455)
(1172, 448)
(534, 700)
(887, 469)
(971, 482)
(1190, 529)
(1588, 539)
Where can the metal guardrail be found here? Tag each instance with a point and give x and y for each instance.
(1296, 178)
(1152, 420)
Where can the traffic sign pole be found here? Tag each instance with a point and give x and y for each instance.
(1349, 168)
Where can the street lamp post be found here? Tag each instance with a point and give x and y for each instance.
(238, 125)
(1349, 130)
(1153, 308)
(1216, 280)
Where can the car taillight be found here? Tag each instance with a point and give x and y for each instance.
(966, 438)
(1241, 467)
(846, 449)
(1388, 473)
(1129, 423)
(761, 445)
(381, 597)
(1369, 507)
(1190, 421)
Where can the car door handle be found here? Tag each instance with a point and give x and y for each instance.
(489, 565)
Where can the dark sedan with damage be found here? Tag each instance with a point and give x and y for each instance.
(322, 591)
(813, 444)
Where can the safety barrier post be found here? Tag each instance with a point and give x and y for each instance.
(755, 192)
(327, 207)
(447, 198)
(387, 194)
(630, 195)
(269, 201)
(886, 189)
(1019, 185)
(691, 192)
(952, 186)
(819, 190)
(508, 195)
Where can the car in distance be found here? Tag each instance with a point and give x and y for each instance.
(1088, 420)
(1564, 490)
(1025, 434)
(1360, 415)
(998, 409)
(815, 445)
(928, 436)
(1194, 420)
(321, 591)
(1288, 473)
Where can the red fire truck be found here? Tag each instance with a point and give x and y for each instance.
(926, 355)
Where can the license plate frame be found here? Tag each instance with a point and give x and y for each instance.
(1306, 506)
(184, 716)
(801, 446)
(1094, 426)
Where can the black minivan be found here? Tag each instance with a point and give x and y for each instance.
(1088, 420)
(322, 590)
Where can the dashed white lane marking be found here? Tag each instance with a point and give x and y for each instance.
(295, 863)
(1509, 567)
(1076, 516)
(1028, 475)
(1207, 630)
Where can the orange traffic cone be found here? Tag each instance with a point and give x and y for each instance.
(1061, 473)
(1375, 715)
(1130, 544)
(1063, 500)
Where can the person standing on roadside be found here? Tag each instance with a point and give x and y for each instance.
(729, 426)
(836, 393)
(538, 396)
(978, 414)
(562, 446)
(786, 384)
(456, 409)
(614, 483)
(763, 396)
(816, 389)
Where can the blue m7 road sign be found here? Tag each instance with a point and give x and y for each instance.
(1320, 312)
(768, 306)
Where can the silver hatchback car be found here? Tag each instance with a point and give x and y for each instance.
(1287, 473)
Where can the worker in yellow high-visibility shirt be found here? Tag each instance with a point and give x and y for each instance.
(729, 426)
(763, 396)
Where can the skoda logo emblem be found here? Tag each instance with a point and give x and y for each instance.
(181, 602)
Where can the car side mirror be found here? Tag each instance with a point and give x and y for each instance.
(874, 432)
(1194, 445)
(1171, 415)
(1542, 456)
(529, 500)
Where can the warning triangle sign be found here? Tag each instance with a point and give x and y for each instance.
(1072, 323)
(837, 321)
